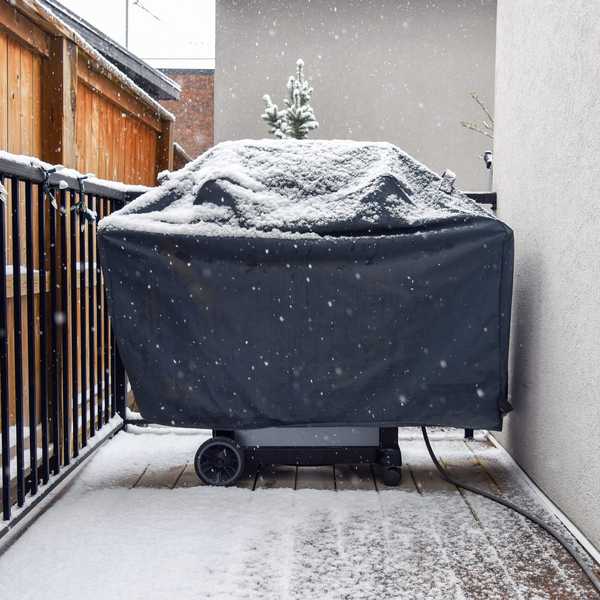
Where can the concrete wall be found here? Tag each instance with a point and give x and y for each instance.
(391, 70)
(546, 173)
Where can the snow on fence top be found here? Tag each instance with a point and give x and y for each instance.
(62, 172)
(298, 187)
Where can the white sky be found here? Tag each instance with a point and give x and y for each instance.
(166, 33)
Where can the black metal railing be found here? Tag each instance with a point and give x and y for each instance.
(61, 379)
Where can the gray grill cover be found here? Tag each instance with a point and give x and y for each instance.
(276, 283)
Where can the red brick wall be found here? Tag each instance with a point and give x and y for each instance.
(194, 129)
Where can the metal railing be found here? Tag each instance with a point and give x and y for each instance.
(61, 378)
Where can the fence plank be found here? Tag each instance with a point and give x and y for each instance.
(93, 127)
(3, 91)
(14, 97)
(18, 25)
(26, 102)
(37, 106)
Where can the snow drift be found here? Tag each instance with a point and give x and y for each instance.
(272, 283)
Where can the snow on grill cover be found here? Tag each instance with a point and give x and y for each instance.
(284, 282)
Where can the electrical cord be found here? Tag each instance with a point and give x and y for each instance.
(594, 580)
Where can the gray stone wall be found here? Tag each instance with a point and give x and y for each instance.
(388, 70)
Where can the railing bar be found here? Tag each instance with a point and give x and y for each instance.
(4, 414)
(43, 333)
(31, 338)
(18, 338)
(54, 357)
(113, 351)
(64, 308)
(120, 398)
(83, 326)
(106, 325)
(99, 336)
(113, 374)
(92, 319)
(73, 351)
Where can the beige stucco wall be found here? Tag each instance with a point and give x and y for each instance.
(548, 181)
(394, 70)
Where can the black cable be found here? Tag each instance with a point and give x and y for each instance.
(565, 543)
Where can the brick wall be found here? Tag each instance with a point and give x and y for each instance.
(194, 111)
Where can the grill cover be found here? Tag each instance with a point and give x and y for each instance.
(282, 283)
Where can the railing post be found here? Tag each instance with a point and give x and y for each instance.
(120, 384)
(164, 147)
(59, 89)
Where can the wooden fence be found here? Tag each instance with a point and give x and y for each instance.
(59, 371)
(61, 102)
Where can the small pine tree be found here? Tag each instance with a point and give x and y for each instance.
(273, 117)
(298, 118)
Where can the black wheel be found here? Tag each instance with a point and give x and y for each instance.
(219, 461)
(389, 457)
(392, 476)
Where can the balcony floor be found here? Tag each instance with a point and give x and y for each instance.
(136, 523)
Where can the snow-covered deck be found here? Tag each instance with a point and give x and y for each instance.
(136, 523)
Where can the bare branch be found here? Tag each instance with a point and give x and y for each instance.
(483, 107)
(475, 127)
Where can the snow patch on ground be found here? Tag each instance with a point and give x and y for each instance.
(104, 540)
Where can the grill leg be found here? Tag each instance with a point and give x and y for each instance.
(389, 456)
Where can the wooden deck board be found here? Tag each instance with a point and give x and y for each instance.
(188, 478)
(160, 476)
(422, 539)
(276, 476)
(476, 548)
(354, 477)
(541, 560)
(411, 534)
(247, 480)
(315, 478)
(475, 565)
(530, 562)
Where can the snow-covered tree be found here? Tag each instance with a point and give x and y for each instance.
(273, 117)
(298, 118)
